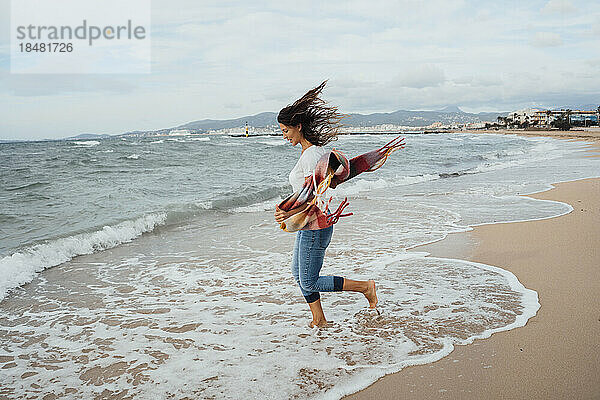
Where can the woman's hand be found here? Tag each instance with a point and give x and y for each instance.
(281, 215)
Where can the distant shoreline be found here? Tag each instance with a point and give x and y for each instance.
(589, 133)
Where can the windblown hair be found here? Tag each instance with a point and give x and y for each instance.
(320, 121)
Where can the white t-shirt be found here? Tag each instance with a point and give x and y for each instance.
(305, 166)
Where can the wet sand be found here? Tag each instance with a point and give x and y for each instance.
(592, 134)
(557, 354)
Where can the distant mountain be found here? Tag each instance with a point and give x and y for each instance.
(259, 120)
(584, 107)
(419, 118)
(448, 115)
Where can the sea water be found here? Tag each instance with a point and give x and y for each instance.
(153, 268)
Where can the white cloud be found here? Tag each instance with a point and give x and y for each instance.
(229, 59)
(596, 28)
(594, 63)
(55, 84)
(478, 80)
(546, 39)
(420, 77)
(559, 7)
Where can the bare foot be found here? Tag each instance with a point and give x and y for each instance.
(320, 324)
(371, 294)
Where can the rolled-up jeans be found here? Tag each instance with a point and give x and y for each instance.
(309, 251)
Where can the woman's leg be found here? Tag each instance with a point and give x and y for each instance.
(311, 281)
(295, 260)
(311, 253)
(365, 287)
(315, 305)
(318, 317)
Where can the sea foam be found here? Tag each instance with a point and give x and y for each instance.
(86, 143)
(21, 267)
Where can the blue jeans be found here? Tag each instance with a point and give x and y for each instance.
(309, 251)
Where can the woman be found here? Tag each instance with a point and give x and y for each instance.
(311, 123)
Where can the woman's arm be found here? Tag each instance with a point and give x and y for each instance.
(281, 215)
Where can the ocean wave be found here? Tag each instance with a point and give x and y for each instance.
(86, 143)
(455, 174)
(265, 199)
(8, 218)
(499, 155)
(542, 151)
(28, 186)
(504, 159)
(355, 187)
(266, 205)
(358, 186)
(247, 197)
(253, 200)
(279, 142)
(21, 267)
(232, 144)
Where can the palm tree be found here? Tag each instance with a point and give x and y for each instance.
(562, 122)
(535, 123)
(509, 120)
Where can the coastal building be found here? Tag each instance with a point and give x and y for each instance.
(475, 125)
(525, 115)
(544, 118)
(584, 118)
(576, 117)
(179, 132)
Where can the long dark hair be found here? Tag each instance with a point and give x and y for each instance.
(320, 122)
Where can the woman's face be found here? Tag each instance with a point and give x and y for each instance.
(291, 133)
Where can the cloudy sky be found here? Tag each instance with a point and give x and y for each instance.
(226, 59)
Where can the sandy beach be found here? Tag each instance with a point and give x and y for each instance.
(557, 354)
(577, 133)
